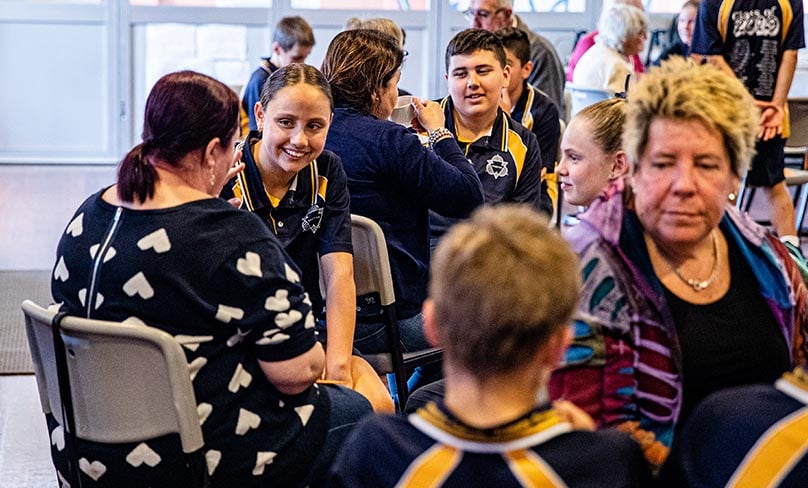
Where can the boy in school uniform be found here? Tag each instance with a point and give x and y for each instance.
(747, 436)
(502, 289)
(505, 155)
(530, 106)
(292, 41)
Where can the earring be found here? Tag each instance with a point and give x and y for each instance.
(731, 197)
(212, 177)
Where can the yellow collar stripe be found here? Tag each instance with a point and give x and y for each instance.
(431, 468)
(774, 454)
(531, 470)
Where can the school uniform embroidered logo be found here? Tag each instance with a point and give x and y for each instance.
(496, 167)
(313, 219)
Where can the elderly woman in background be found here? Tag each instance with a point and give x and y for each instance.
(592, 155)
(683, 295)
(159, 248)
(622, 30)
(392, 178)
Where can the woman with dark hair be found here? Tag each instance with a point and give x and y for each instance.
(299, 190)
(393, 179)
(164, 251)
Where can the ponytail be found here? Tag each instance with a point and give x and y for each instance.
(136, 175)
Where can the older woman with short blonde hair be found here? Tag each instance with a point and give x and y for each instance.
(683, 295)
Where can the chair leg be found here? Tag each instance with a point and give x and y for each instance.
(801, 201)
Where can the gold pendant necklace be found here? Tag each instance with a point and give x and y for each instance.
(698, 285)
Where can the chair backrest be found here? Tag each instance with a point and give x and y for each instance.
(371, 261)
(128, 382)
(581, 97)
(798, 118)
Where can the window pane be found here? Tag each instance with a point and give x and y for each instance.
(663, 6)
(363, 5)
(85, 2)
(533, 5)
(204, 3)
(217, 50)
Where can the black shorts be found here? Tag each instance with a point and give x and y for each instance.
(768, 165)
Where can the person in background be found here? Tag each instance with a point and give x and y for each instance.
(588, 40)
(592, 156)
(160, 248)
(757, 41)
(753, 435)
(548, 72)
(505, 155)
(380, 24)
(292, 40)
(528, 105)
(300, 192)
(502, 289)
(685, 23)
(622, 30)
(683, 295)
(392, 178)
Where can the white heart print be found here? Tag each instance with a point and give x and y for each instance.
(261, 460)
(246, 421)
(226, 314)
(249, 265)
(157, 240)
(94, 470)
(76, 227)
(278, 302)
(138, 285)
(142, 453)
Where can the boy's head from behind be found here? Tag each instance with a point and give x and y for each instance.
(476, 71)
(292, 40)
(502, 284)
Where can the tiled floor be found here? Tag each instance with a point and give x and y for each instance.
(24, 451)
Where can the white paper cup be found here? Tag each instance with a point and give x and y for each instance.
(403, 112)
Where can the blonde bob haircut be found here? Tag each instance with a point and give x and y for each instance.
(502, 283)
(680, 89)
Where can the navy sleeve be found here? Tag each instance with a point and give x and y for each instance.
(443, 180)
(528, 188)
(706, 38)
(335, 236)
(795, 38)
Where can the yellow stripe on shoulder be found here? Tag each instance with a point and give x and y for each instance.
(788, 17)
(518, 149)
(774, 454)
(431, 468)
(531, 470)
(723, 17)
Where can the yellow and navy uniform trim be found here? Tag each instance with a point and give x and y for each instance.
(508, 140)
(783, 444)
(514, 442)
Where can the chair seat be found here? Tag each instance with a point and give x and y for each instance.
(796, 177)
(382, 363)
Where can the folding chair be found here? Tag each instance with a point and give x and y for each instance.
(581, 97)
(123, 382)
(374, 291)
